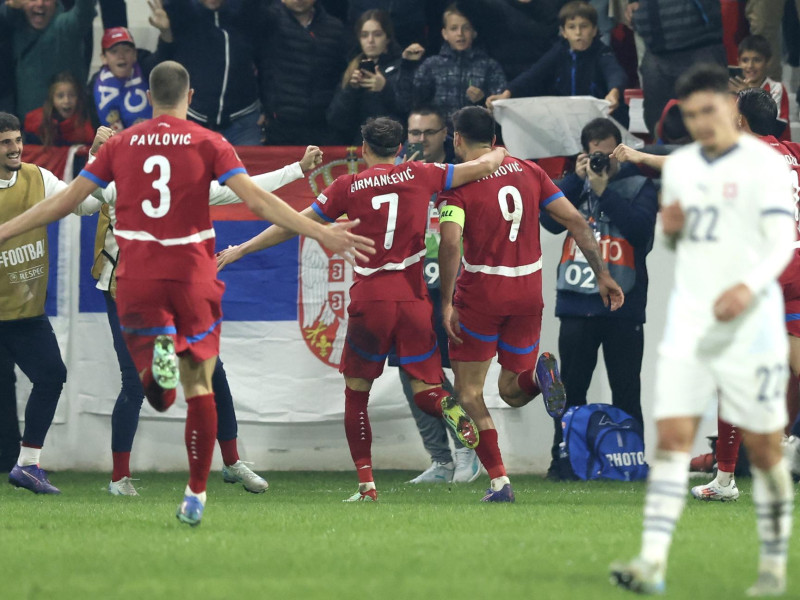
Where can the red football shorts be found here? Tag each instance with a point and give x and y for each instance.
(190, 311)
(514, 338)
(375, 327)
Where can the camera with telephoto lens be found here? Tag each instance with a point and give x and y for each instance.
(599, 162)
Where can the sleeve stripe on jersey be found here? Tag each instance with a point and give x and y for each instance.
(407, 360)
(449, 180)
(94, 178)
(231, 173)
(776, 211)
(318, 210)
(556, 196)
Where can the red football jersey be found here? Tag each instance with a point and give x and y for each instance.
(502, 268)
(163, 169)
(790, 152)
(392, 203)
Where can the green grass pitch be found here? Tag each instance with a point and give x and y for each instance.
(299, 541)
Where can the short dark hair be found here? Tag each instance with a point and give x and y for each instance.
(169, 82)
(756, 43)
(475, 124)
(703, 77)
(599, 129)
(383, 135)
(757, 106)
(426, 110)
(577, 8)
(9, 122)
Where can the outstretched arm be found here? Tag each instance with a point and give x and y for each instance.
(271, 236)
(51, 209)
(562, 211)
(480, 167)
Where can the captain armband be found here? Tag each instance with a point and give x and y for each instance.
(452, 214)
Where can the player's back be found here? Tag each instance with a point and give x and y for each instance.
(163, 168)
(502, 252)
(724, 200)
(392, 203)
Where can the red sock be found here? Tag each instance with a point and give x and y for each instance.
(122, 465)
(728, 440)
(358, 432)
(527, 383)
(430, 400)
(158, 397)
(200, 436)
(489, 453)
(230, 451)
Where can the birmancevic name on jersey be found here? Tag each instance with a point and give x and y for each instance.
(504, 170)
(161, 139)
(382, 180)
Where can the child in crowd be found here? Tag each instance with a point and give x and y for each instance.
(578, 65)
(460, 75)
(62, 119)
(120, 87)
(754, 54)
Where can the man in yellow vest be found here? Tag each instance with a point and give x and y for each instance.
(26, 335)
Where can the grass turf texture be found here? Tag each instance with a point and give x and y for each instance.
(299, 541)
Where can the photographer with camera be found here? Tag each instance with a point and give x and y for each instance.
(620, 205)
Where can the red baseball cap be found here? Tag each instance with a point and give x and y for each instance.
(117, 35)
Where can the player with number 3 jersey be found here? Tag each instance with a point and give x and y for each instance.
(167, 284)
(496, 305)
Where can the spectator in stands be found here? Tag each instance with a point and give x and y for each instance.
(578, 65)
(46, 41)
(7, 99)
(407, 17)
(520, 31)
(427, 127)
(620, 206)
(215, 40)
(120, 87)
(367, 88)
(63, 119)
(302, 58)
(766, 18)
(677, 34)
(460, 75)
(754, 55)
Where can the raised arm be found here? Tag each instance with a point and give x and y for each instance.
(565, 213)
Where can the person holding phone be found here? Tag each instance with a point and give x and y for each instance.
(367, 88)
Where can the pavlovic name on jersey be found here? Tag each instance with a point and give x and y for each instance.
(381, 180)
(161, 139)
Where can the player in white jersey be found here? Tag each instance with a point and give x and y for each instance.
(728, 211)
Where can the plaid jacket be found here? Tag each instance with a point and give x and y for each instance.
(443, 79)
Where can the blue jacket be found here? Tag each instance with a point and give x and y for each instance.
(630, 202)
(563, 72)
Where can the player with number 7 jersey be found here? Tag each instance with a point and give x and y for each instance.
(496, 305)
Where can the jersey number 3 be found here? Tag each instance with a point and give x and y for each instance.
(164, 196)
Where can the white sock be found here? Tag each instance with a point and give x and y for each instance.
(28, 456)
(666, 496)
(498, 482)
(366, 486)
(724, 478)
(201, 496)
(773, 495)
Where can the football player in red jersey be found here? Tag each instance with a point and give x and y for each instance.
(495, 307)
(389, 304)
(168, 294)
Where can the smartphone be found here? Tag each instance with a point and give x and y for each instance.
(735, 72)
(413, 147)
(367, 65)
